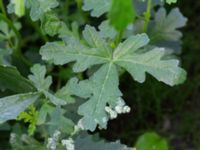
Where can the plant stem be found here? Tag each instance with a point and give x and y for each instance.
(147, 15)
(16, 49)
(2, 8)
(79, 4)
(119, 37)
(10, 24)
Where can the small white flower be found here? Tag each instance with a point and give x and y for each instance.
(12, 138)
(68, 143)
(119, 109)
(112, 113)
(51, 144)
(126, 109)
(56, 135)
(52, 141)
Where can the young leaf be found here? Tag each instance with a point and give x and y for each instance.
(17, 7)
(88, 142)
(11, 79)
(121, 14)
(50, 23)
(151, 141)
(12, 106)
(165, 26)
(137, 64)
(97, 7)
(107, 31)
(38, 78)
(43, 83)
(29, 117)
(40, 7)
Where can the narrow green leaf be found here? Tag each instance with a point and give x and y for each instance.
(121, 14)
(12, 106)
(11, 79)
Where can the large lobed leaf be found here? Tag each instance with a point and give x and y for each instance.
(166, 26)
(103, 84)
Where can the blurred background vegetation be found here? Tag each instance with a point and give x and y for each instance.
(174, 112)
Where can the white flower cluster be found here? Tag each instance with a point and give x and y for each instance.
(12, 138)
(120, 108)
(68, 143)
(52, 141)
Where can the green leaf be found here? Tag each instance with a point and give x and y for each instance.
(38, 78)
(50, 23)
(59, 122)
(165, 26)
(152, 62)
(12, 106)
(171, 1)
(42, 114)
(5, 56)
(29, 117)
(96, 52)
(98, 91)
(17, 7)
(68, 90)
(55, 100)
(5, 32)
(107, 31)
(122, 13)
(151, 141)
(88, 142)
(102, 95)
(43, 83)
(40, 7)
(97, 7)
(11, 79)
